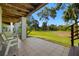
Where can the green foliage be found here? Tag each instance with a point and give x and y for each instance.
(29, 25)
(4, 27)
(44, 14)
(32, 24)
(53, 27)
(35, 25)
(52, 12)
(70, 14)
(63, 28)
(70, 11)
(44, 26)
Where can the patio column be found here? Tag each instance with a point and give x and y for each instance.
(0, 19)
(11, 27)
(16, 28)
(23, 19)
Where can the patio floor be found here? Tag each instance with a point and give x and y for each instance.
(38, 47)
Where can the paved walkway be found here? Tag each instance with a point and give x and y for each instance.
(38, 47)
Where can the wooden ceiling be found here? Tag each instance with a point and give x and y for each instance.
(12, 12)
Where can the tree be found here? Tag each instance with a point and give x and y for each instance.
(35, 25)
(61, 28)
(71, 11)
(53, 27)
(70, 14)
(45, 13)
(29, 26)
(44, 16)
(44, 26)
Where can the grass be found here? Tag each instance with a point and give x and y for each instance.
(59, 37)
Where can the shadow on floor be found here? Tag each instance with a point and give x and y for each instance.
(74, 51)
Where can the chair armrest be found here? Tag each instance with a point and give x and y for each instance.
(10, 38)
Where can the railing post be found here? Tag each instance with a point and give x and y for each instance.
(72, 35)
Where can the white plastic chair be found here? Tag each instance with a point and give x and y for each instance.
(9, 42)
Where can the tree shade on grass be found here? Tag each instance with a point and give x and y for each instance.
(59, 37)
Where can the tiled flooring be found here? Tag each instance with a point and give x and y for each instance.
(38, 47)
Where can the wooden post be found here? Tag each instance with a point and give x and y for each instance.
(72, 35)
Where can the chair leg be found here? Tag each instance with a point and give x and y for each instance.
(8, 46)
(7, 49)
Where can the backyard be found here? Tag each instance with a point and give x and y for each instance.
(59, 37)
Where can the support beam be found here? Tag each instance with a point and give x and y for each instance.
(0, 20)
(38, 7)
(10, 19)
(13, 11)
(17, 8)
(23, 19)
(28, 6)
(16, 26)
(11, 27)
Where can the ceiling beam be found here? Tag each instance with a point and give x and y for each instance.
(6, 23)
(10, 19)
(13, 11)
(28, 6)
(10, 5)
(8, 15)
(38, 7)
(14, 7)
(23, 5)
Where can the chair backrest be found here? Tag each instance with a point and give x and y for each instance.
(2, 46)
(4, 37)
(8, 34)
(1, 39)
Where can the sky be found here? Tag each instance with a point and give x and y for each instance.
(57, 21)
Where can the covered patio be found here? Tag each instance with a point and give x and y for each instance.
(16, 14)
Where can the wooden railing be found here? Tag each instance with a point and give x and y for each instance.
(74, 33)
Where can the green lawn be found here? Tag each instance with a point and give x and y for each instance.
(59, 37)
